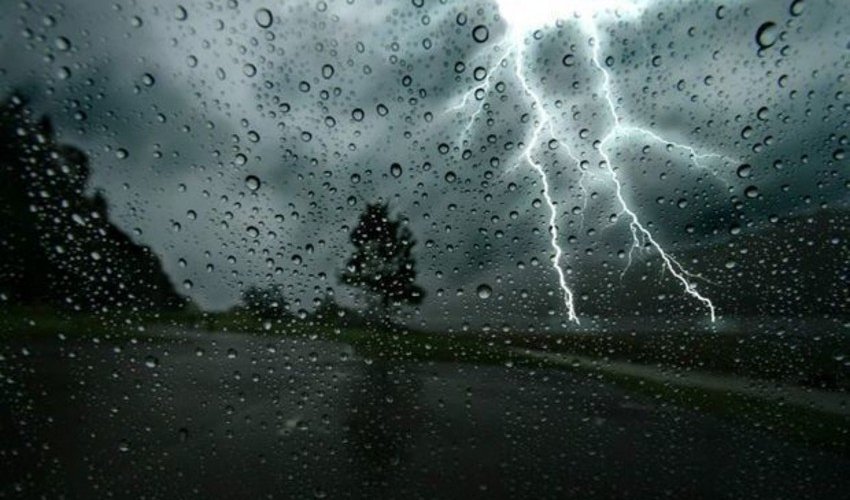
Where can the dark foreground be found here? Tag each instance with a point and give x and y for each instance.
(240, 416)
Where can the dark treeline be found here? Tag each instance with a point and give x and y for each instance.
(57, 246)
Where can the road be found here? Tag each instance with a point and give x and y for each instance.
(211, 415)
(833, 402)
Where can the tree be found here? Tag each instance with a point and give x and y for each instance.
(382, 264)
(268, 302)
(330, 312)
(57, 245)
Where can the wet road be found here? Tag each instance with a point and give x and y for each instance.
(237, 416)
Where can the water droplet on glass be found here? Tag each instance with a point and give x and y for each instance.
(766, 34)
(63, 44)
(480, 33)
(263, 18)
(484, 291)
(252, 182)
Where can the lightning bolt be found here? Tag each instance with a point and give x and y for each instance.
(545, 121)
(526, 154)
(484, 88)
(639, 231)
(641, 236)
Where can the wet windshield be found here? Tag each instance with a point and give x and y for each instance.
(424, 249)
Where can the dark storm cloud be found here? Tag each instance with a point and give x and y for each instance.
(240, 99)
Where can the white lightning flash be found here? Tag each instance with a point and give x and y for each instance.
(524, 16)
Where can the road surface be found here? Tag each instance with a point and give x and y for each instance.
(211, 415)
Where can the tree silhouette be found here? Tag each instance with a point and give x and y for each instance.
(268, 302)
(382, 263)
(57, 245)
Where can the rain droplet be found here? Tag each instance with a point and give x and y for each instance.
(63, 44)
(766, 34)
(252, 182)
(395, 170)
(480, 33)
(484, 291)
(263, 17)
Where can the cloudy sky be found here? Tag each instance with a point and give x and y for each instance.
(182, 106)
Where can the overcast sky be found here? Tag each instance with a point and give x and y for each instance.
(177, 105)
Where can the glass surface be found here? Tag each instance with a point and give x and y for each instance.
(424, 249)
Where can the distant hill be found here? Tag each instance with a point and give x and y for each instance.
(799, 266)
